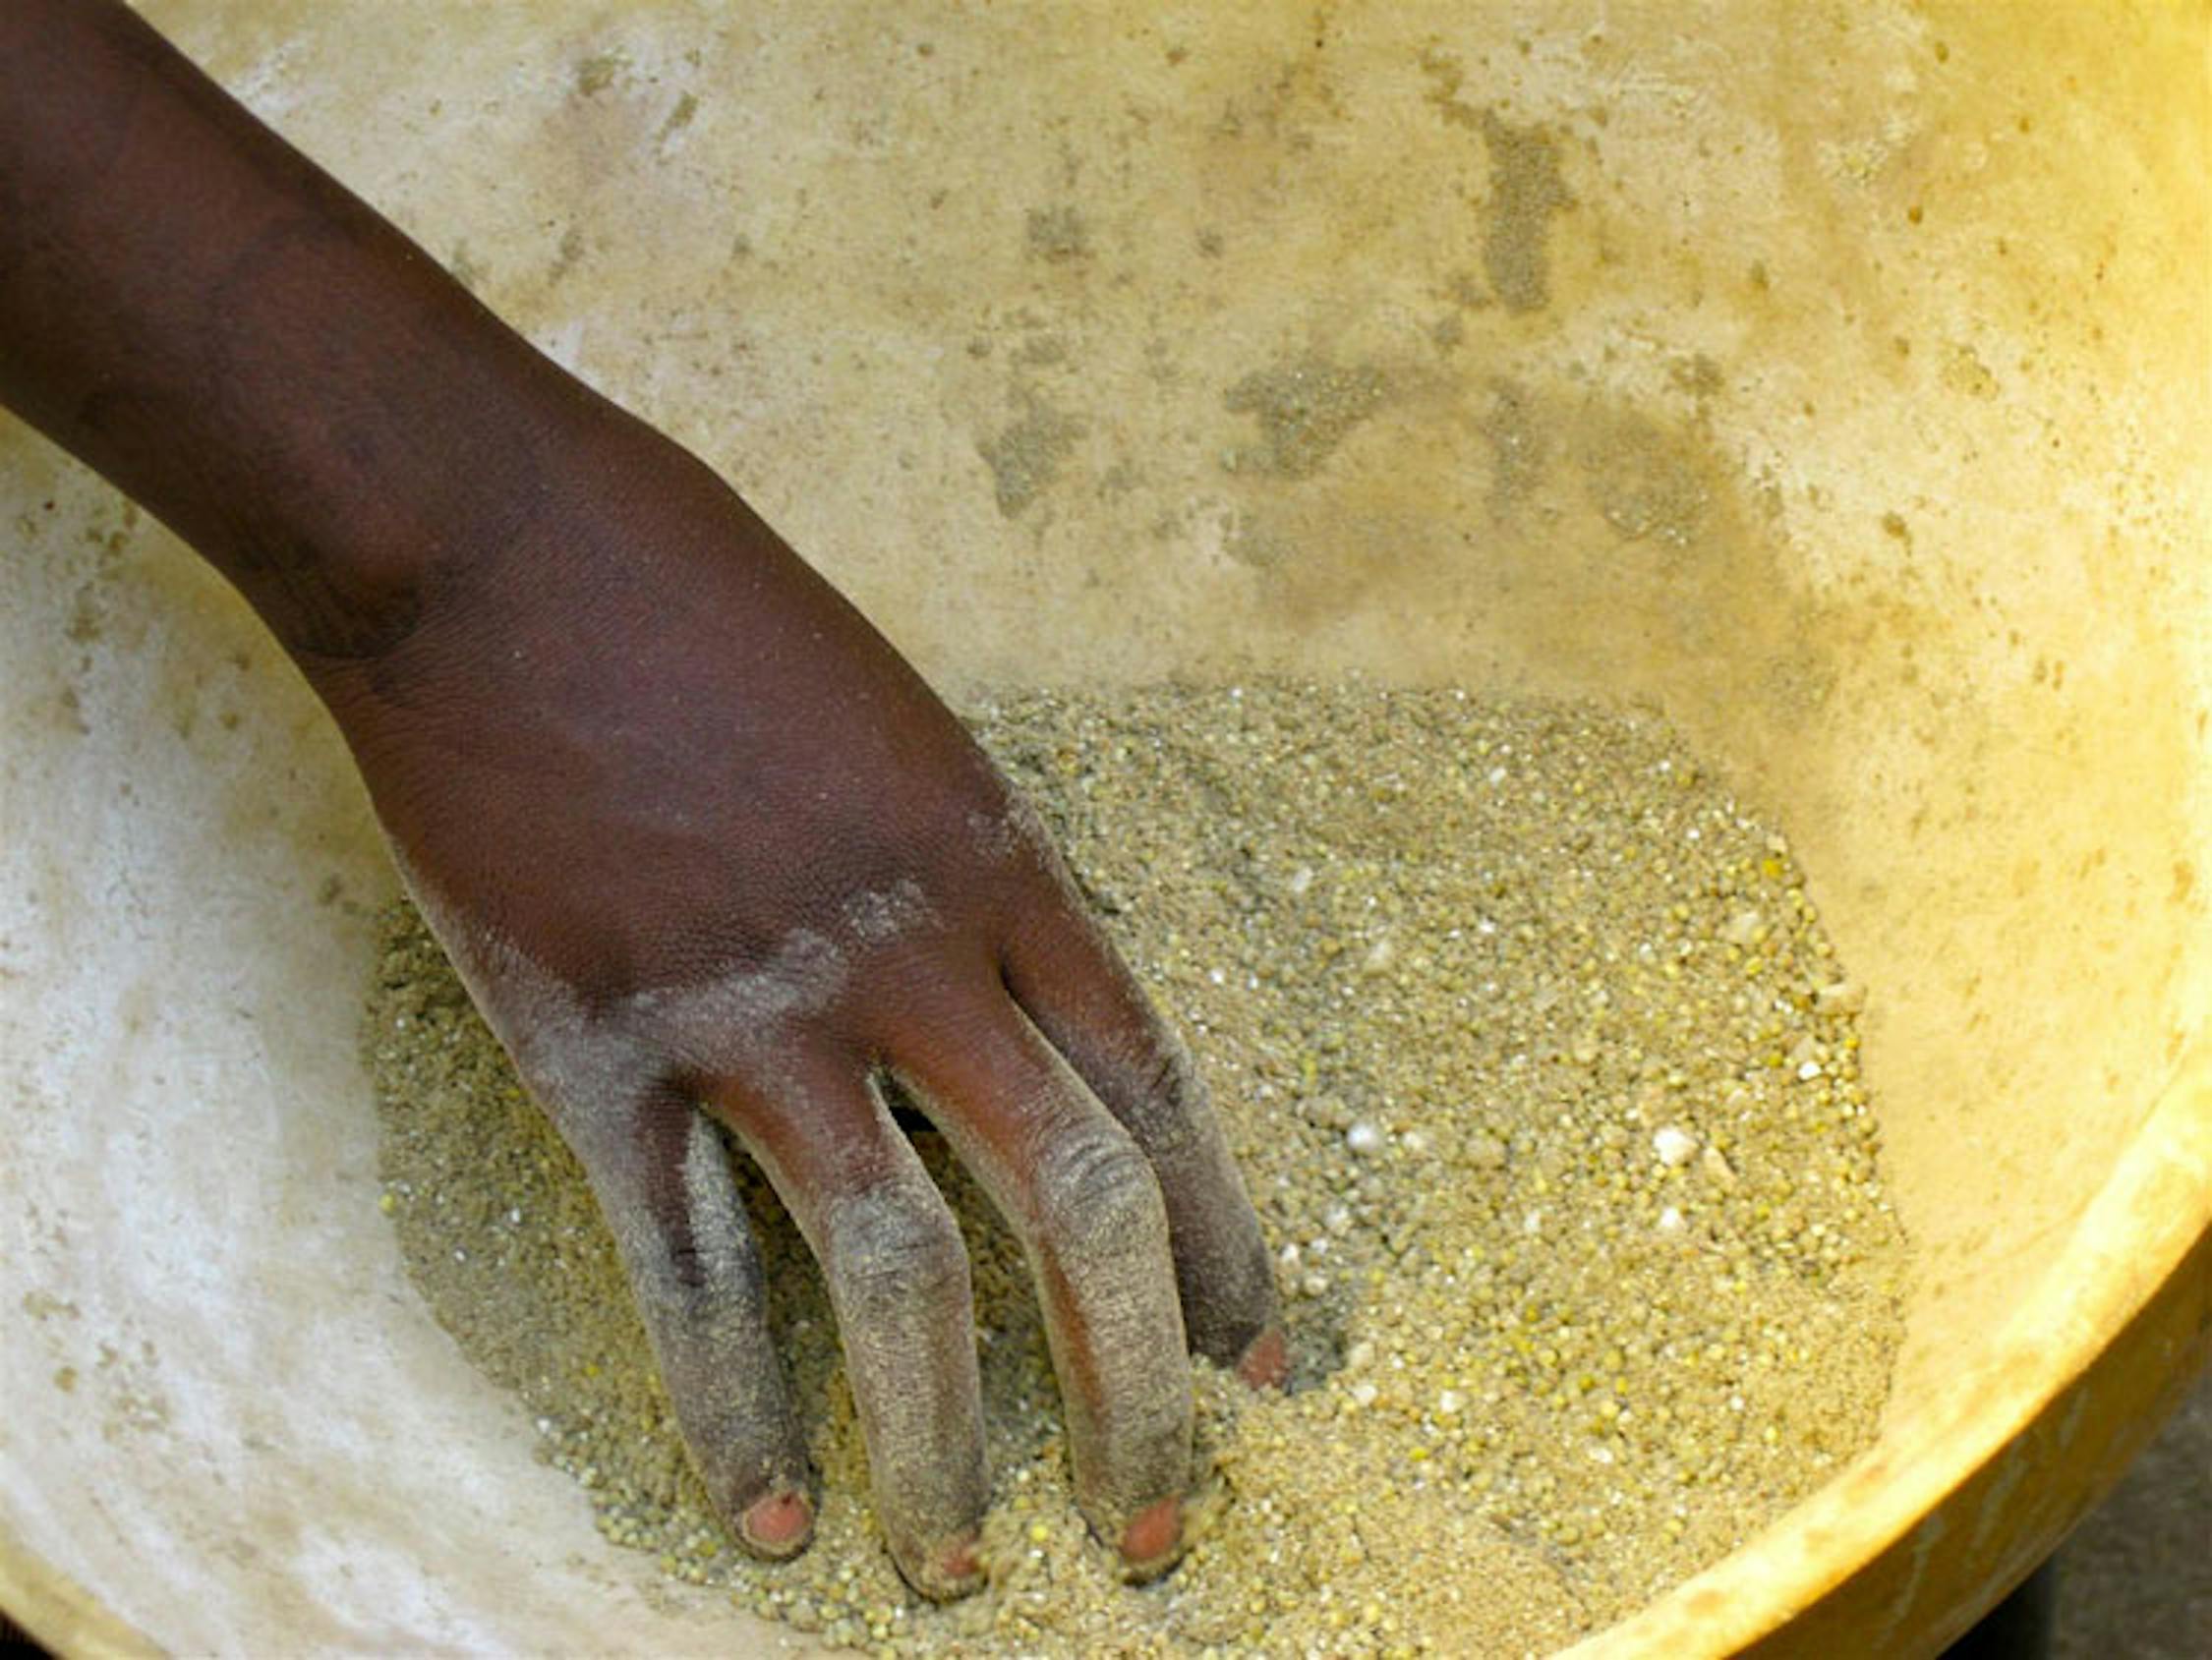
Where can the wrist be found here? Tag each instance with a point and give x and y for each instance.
(380, 431)
(563, 509)
(365, 518)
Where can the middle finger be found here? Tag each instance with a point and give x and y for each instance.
(1083, 1201)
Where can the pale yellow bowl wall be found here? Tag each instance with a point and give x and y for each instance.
(1852, 410)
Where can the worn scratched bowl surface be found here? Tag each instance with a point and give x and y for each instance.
(1831, 375)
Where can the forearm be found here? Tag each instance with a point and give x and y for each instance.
(200, 313)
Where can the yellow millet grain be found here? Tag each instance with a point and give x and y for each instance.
(1545, 1084)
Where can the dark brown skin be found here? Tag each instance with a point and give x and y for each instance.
(701, 841)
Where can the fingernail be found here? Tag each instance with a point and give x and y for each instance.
(1150, 1541)
(1266, 1363)
(779, 1524)
(957, 1566)
(946, 1571)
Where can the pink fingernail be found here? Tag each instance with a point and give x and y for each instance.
(779, 1523)
(957, 1562)
(1266, 1363)
(1152, 1534)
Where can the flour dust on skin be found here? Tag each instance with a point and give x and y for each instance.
(1543, 1078)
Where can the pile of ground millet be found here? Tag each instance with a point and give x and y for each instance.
(1544, 1082)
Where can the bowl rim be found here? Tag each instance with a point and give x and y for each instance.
(1874, 1534)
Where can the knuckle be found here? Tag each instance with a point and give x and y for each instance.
(688, 1266)
(1171, 1100)
(1166, 1074)
(896, 1250)
(1097, 1190)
